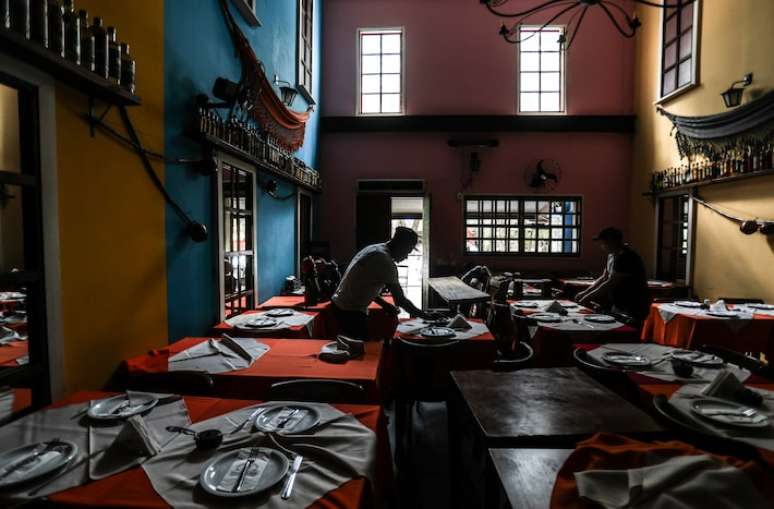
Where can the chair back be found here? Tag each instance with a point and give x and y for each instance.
(317, 390)
(500, 321)
(423, 369)
(743, 361)
(521, 359)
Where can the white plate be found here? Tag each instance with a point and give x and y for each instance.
(215, 470)
(279, 312)
(723, 314)
(65, 452)
(698, 358)
(762, 307)
(546, 317)
(105, 409)
(266, 421)
(261, 322)
(687, 304)
(626, 359)
(525, 304)
(437, 332)
(599, 318)
(707, 409)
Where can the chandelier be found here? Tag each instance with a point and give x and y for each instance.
(571, 13)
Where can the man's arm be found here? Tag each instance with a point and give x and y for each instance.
(387, 306)
(400, 300)
(603, 289)
(594, 286)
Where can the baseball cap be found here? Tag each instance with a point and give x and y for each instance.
(609, 233)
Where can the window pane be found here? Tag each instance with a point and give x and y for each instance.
(550, 62)
(549, 40)
(391, 43)
(671, 29)
(530, 41)
(669, 81)
(684, 75)
(529, 102)
(370, 44)
(550, 102)
(686, 44)
(530, 61)
(370, 84)
(670, 55)
(370, 65)
(391, 83)
(370, 103)
(549, 82)
(391, 64)
(686, 16)
(530, 81)
(391, 103)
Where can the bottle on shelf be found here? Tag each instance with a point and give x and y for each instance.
(39, 22)
(72, 31)
(87, 41)
(56, 34)
(20, 17)
(5, 13)
(127, 69)
(97, 29)
(114, 56)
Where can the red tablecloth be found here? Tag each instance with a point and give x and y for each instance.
(381, 324)
(553, 347)
(133, 489)
(297, 331)
(10, 352)
(685, 331)
(287, 359)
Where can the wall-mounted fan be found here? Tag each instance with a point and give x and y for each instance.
(543, 176)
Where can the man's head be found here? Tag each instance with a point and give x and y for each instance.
(610, 239)
(403, 241)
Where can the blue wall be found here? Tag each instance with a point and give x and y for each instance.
(198, 49)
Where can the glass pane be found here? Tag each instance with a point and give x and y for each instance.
(549, 82)
(472, 246)
(486, 246)
(550, 102)
(370, 84)
(391, 64)
(671, 29)
(543, 246)
(544, 233)
(391, 43)
(500, 246)
(11, 229)
(371, 103)
(530, 41)
(556, 246)
(391, 83)
(10, 150)
(669, 81)
(529, 246)
(530, 81)
(556, 220)
(370, 44)
(391, 103)
(686, 16)
(550, 62)
(370, 65)
(686, 44)
(530, 233)
(670, 55)
(472, 205)
(529, 102)
(530, 61)
(549, 40)
(556, 233)
(684, 75)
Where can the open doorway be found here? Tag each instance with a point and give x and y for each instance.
(410, 211)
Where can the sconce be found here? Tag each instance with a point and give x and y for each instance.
(733, 96)
(288, 91)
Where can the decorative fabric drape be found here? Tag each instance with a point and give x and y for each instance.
(749, 125)
(268, 110)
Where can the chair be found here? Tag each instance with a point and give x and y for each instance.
(741, 300)
(612, 378)
(500, 321)
(521, 359)
(742, 360)
(317, 390)
(174, 382)
(478, 277)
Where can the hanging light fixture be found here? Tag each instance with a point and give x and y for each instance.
(571, 13)
(288, 91)
(733, 96)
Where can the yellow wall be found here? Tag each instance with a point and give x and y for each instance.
(111, 217)
(736, 38)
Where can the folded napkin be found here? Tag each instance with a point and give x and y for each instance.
(235, 347)
(727, 386)
(459, 322)
(680, 482)
(718, 307)
(354, 346)
(136, 437)
(555, 307)
(342, 350)
(252, 474)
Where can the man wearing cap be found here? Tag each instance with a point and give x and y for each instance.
(624, 283)
(371, 270)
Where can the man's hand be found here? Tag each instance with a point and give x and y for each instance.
(432, 316)
(391, 310)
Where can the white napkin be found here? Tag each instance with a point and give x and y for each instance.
(555, 307)
(355, 347)
(459, 322)
(215, 356)
(252, 474)
(681, 482)
(718, 307)
(136, 437)
(724, 386)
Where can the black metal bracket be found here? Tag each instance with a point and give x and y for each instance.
(94, 120)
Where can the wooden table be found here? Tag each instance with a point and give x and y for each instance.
(452, 290)
(523, 478)
(545, 408)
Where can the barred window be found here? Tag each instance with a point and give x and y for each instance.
(516, 225)
(541, 70)
(380, 71)
(305, 46)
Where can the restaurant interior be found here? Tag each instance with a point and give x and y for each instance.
(387, 253)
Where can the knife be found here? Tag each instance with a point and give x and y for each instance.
(288, 489)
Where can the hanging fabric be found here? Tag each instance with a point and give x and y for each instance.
(749, 125)
(265, 107)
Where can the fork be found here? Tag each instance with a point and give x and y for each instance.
(749, 412)
(250, 460)
(251, 418)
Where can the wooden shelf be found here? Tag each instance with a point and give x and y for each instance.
(704, 183)
(67, 72)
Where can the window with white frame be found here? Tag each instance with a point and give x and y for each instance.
(520, 225)
(305, 46)
(541, 70)
(380, 71)
(679, 47)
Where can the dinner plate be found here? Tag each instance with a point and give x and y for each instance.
(698, 358)
(261, 322)
(221, 474)
(437, 332)
(687, 304)
(762, 307)
(279, 312)
(546, 317)
(599, 318)
(33, 461)
(723, 314)
(626, 359)
(525, 304)
(6, 333)
(727, 413)
(114, 408)
(278, 419)
(12, 296)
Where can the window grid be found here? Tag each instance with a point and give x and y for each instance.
(677, 49)
(238, 240)
(305, 42)
(381, 70)
(541, 73)
(513, 225)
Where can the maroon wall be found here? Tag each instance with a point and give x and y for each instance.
(456, 63)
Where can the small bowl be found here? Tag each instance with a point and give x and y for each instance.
(208, 439)
(681, 368)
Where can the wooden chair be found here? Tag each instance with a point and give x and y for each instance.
(317, 390)
(174, 382)
(741, 300)
(500, 322)
(521, 359)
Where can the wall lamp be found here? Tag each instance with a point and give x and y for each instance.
(733, 96)
(287, 90)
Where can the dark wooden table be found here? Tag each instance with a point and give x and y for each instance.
(552, 408)
(524, 478)
(455, 292)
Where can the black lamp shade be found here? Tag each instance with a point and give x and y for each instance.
(732, 97)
